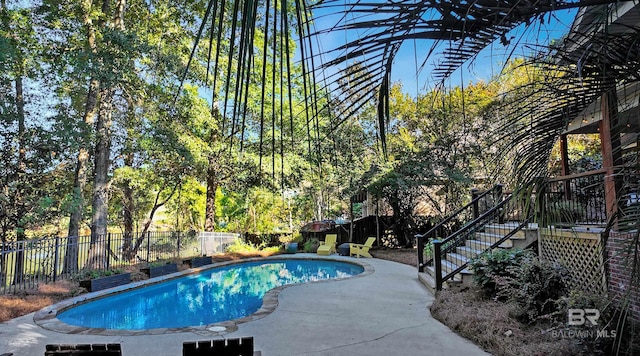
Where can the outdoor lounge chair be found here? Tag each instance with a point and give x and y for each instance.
(328, 246)
(83, 349)
(223, 347)
(361, 249)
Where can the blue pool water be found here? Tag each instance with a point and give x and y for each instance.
(215, 295)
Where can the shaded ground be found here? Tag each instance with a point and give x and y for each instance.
(487, 323)
(408, 256)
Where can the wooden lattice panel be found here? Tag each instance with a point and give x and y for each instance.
(580, 252)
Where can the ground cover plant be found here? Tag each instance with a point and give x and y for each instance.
(521, 309)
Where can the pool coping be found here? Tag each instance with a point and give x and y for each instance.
(47, 317)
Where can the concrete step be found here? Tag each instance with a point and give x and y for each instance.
(457, 258)
(482, 245)
(467, 252)
(428, 281)
(504, 229)
(449, 267)
(431, 271)
(487, 237)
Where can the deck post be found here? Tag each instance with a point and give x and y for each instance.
(474, 195)
(437, 263)
(499, 196)
(611, 151)
(420, 244)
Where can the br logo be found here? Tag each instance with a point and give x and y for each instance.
(581, 316)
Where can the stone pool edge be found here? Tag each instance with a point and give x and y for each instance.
(47, 317)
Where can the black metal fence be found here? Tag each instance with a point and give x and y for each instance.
(575, 199)
(26, 264)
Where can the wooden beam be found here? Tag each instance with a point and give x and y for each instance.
(611, 151)
(564, 162)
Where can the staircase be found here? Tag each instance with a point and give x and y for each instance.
(479, 232)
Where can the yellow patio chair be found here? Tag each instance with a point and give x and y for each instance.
(328, 246)
(361, 249)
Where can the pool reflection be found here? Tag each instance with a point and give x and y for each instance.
(216, 295)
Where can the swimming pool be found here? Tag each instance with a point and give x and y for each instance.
(212, 296)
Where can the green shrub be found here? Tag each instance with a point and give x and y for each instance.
(311, 245)
(566, 211)
(536, 289)
(247, 248)
(91, 274)
(428, 248)
(490, 268)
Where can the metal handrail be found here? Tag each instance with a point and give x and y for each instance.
(494, 245)
(457, 212)
(476, 221)
(421, 237)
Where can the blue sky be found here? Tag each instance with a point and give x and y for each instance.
(487, 64)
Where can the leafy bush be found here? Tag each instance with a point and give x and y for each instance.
(311, 245)
(428, 248)
(536, 288)
(490, 267)
(245, 248)
(91, 274)
(567, 211)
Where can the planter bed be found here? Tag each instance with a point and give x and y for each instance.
(160, 270)
(198, 261)
(97, 284)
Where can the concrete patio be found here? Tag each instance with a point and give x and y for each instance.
(383, 313)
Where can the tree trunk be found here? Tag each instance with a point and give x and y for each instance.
(99, 220)
(130, 253)
(212, 186)
(80, 178)
(128, 206)
(21, 210)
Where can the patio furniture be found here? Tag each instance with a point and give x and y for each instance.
(327, 246)
(362, 249)
(83, 349)
(223, 347)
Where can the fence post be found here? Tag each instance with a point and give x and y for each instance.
(474, 195)
(420, 243)
(498, 200)
(55, 259)
(148, 246)
(106, 253)
(178, 247)
(437, 264)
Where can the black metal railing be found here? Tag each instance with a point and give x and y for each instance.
(499, 221)
(494, 216)
(480, 203)
(29, 263)
(574, 199)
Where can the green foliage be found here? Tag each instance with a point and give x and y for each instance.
(241, 247)
(91, 274)
(567, 211)
(583, 151)
(537, 288)
(311, 245)
(497, 264)
(533, 286)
